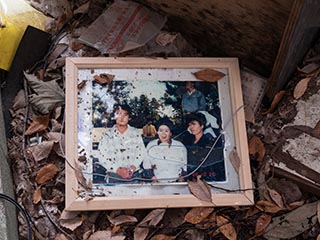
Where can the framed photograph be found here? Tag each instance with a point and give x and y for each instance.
(143, 132)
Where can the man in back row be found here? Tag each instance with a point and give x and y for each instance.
(192, 100)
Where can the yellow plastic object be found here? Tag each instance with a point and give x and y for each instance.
(15, 16)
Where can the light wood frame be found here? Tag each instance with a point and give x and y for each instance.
(74, 202)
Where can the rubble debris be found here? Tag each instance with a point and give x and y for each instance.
(125, 25)
(282, 199)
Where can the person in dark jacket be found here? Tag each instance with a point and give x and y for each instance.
(199, 151)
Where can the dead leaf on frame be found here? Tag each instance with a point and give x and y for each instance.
(200, 189)
(209, 75)
(103, 78)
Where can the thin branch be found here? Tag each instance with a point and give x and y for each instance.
(25, 121)
(54, 223)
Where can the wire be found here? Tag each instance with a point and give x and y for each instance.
(149, 180)
(214, 144)
(23, 212)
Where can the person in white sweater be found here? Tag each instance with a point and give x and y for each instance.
(167, 156)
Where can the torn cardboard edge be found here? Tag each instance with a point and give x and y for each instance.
(124, 26)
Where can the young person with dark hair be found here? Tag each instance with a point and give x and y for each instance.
(121, 149)
(167, 156)
(199, 146)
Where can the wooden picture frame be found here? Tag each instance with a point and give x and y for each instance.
(85, 77)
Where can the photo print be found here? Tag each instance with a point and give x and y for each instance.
(171, 132)
(141, 131)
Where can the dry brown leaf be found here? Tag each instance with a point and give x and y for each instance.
(276, 198)
(200, 189)
(116, 229)
(256, 148)
(289, 190)
(265, 194)
(82, 84)
(118, 237)
(88, 198)
(162, 237)
(104, 78)
(58, 138)
(193, 234)
(129, 211)
(277, 98)
(122, 219)
(86, 235)
(61, 236)
(262, 223)
(309, 68)
(39, 124)
(210, 222)
(79, 175)
(46, 173)
(56, 114)
(295, 205)
(251, 212)
(215, 233)
(55, 136)
(154, 217)
(68, 214)
(84, 8)
(57, 148)
(100, 235)
(72, 223)
(61, 21)
(40, 74)
(235, 159)
(76, 45)
(317, 128)
(56, 199)
(47, 95)
(174, 217)
(140, 233)
(198, 214)
(226, 228)
(268, 207)
(19, 101)
(55, 125)
(37, 195)
(292, 224)
(115, 213)
(300, 88)
(209, 75)
(41, 150)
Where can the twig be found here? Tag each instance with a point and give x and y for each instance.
(54, 223)
(25, 120)
(262, 185)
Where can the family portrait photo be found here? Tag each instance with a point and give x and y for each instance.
(156, 132)
(144, 133)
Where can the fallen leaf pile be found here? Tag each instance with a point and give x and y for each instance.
(36, 152)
